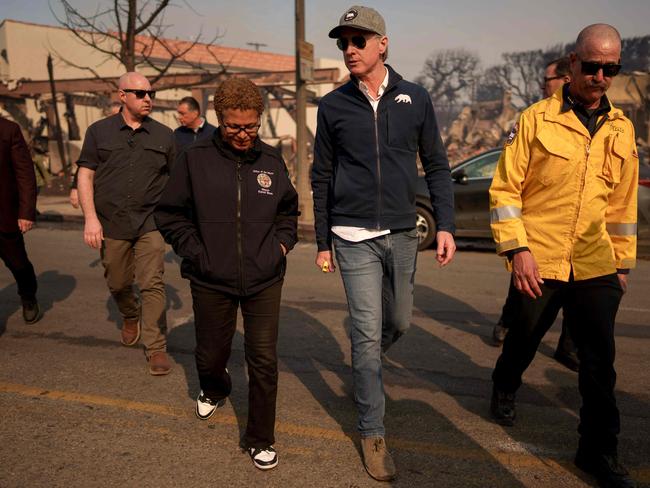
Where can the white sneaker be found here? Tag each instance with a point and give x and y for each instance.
(263, 458)
(205, 407)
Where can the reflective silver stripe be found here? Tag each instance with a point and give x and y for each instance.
(621, 229)
(504, 213)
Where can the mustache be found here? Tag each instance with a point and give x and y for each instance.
(597, 84)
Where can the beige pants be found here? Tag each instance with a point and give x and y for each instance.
(140, 260)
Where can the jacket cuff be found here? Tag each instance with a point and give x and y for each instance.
(447, 228)
(511, 253)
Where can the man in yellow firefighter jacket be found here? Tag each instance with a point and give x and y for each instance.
(563, 206)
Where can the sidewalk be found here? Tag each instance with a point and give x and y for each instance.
(57, 208)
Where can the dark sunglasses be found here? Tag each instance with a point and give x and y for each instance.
(140, 94)
(592, 68)
(357, 41)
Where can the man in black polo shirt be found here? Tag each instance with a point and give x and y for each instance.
(193, 127)
(123, 168)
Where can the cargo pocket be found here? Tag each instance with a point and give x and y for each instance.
(157, 155)
(558, 162)
(617, 152)
(106, 150)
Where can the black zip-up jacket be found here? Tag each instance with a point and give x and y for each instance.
(226, 212)
(365, 173)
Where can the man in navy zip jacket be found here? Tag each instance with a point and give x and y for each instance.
(364, 175)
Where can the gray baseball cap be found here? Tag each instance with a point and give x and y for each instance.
(358, 17)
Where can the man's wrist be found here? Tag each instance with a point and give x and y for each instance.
(511, 253)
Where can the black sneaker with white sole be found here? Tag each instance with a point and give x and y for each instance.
(205, 406)
(263, 458)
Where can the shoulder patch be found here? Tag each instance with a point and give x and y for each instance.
(513, 133)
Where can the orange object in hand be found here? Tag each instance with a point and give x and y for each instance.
(325, 267)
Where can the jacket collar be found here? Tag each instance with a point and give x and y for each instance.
(226, 150)
(555, 110)
(393, 79)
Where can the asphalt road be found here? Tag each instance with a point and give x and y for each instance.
(79, 409)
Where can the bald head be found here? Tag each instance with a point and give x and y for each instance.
(134, 81)
(598, 47)
(601, 36)
(136, 96)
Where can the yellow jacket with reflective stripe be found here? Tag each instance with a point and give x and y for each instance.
(568, 197)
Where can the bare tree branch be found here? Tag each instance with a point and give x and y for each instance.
(85, 68)
(449, 75)
(130, 31)
(145, 25)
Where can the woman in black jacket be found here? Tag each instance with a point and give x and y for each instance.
(230, 211)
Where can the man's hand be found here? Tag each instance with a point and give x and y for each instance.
(74, 198)
(446, 248)
(25, 225)
(284, 249)
(325, 262)
(93, 233)
(525, 274)
(622, 279)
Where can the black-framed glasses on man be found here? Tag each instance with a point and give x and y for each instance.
(140, 94)
(250, 129)
(551, 78)
(591, 68)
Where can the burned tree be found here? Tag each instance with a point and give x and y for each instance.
(449, 76)
(130, 33)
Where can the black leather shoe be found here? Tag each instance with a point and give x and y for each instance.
(31, 311)
(567, 359)
(502, 407)
(605, 468)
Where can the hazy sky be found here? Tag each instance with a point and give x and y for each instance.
(415, 28)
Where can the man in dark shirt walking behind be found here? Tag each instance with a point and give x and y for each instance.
(123, 168)
(193, 127)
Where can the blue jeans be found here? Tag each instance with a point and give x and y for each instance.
(378, 276)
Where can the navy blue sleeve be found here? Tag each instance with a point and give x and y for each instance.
(321, 177)
(436, 170)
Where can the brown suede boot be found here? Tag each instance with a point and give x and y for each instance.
(130, 332)
(159, 364)
(377, 459)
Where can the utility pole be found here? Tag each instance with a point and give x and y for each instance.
(256, 45)
(57, 125)
(304, 73)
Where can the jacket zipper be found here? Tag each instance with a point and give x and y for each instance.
(240, 253)
(583, 181)
(379, 199)
(378, 170)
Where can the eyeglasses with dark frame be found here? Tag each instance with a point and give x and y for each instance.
(140, 94)
(551, 78)
(357, 41)
(591, 68)
(233, 130)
